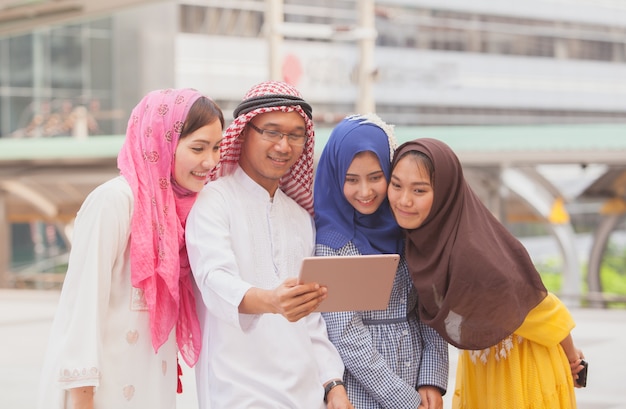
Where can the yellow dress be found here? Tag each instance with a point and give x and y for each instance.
(527, 370)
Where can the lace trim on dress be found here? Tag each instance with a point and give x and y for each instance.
(500, 350)
(72, 375)
(387, 129)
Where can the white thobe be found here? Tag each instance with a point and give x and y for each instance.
(237, 238)
(101, 331)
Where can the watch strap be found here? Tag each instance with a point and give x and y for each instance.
(330, 385)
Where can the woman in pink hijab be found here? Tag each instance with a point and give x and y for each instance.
(127, 306)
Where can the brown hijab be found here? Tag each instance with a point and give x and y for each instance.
(475, 280)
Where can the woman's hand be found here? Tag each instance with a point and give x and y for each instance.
(574, 356)
(82, 398)
(576, 366)
(431, 397)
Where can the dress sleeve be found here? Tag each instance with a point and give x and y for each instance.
(548, 323)
(435, 361)
(356, 347)
(99, 242)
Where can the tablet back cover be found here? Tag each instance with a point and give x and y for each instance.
(355, 283)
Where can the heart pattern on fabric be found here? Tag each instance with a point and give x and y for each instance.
(129, 392)
(132, 337)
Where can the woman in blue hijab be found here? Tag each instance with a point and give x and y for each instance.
(392, 360)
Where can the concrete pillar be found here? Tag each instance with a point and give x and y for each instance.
(365, 101)
(543, 202)
(273, 20)
(598, 248)
(80, 129)
(5, 242)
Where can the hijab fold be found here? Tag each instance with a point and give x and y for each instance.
(476, 282)
(336, 220)
(158, 254)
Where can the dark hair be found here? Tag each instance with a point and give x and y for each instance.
(204, 111)
(422, 160)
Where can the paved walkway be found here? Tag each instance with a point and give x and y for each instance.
(25, 317)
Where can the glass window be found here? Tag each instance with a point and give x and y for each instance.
(21, 61)
(66, 63)
(101, 24)
(100, 54)
(4, 62)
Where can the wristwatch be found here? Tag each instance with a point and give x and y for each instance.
(331, 385)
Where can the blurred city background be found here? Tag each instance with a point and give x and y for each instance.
(531, 94)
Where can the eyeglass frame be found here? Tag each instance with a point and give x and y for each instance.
(280, 136)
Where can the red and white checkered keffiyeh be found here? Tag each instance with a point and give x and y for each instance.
(265, 97)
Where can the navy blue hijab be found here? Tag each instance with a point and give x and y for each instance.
(336, 221)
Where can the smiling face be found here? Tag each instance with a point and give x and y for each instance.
(266, 161)
(196, 154)
(365, 186)
(410, 192)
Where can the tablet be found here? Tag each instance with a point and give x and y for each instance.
(355, 283)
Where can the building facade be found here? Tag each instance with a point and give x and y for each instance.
(444, 62)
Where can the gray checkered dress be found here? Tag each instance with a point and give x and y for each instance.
(387, 354)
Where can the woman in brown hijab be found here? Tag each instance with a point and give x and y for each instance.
(479, 289)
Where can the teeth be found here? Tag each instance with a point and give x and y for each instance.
(203, 174)
(278, 159)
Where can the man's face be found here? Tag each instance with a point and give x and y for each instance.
(267, 161)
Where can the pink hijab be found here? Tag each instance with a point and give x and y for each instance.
(272, 96)
(158, 255)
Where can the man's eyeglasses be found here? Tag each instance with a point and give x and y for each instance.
(276, 137)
